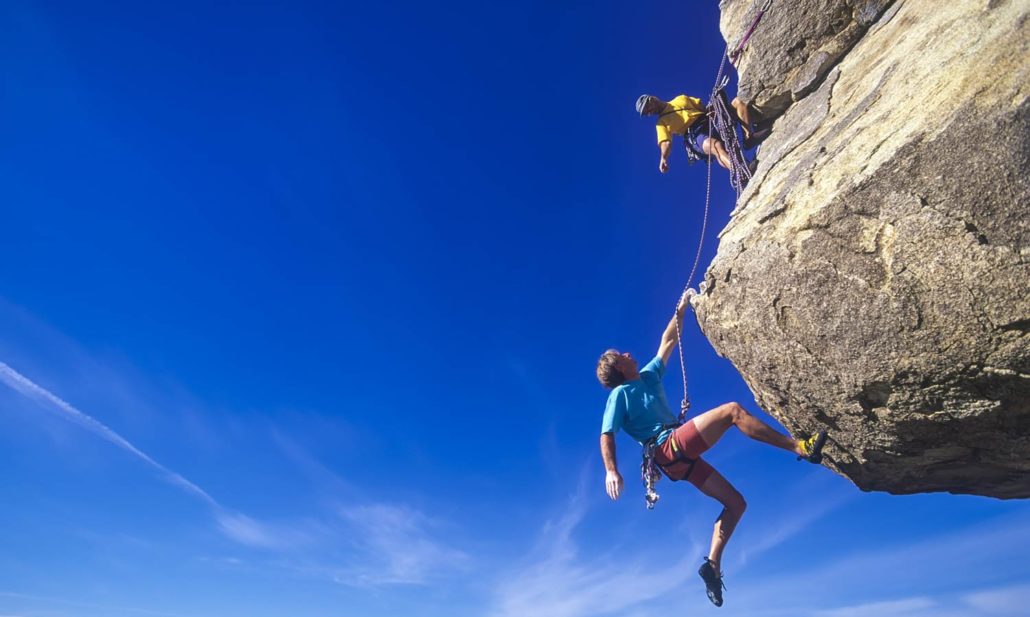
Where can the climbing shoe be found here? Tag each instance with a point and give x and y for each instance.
(813, 448)
(752, 166)
(713, 581)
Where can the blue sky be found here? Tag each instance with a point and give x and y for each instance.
(300, 305)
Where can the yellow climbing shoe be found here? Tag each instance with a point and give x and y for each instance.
(812, 448)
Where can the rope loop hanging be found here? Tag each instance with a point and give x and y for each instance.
(719, 117)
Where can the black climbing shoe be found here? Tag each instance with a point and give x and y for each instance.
(713, 582)
(756, 137)
(813, 448)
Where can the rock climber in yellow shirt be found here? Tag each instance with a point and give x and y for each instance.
(687, 116)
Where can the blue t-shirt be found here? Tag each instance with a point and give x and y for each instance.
(639, 406)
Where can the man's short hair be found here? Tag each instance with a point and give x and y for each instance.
(607, 373)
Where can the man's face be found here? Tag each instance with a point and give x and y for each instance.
(627, 365)
(652, 106)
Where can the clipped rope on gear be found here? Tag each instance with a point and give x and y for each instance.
(740, 175)
(722, 119)
(724, 123)
(747, 35)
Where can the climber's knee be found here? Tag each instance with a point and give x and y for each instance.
(736, 412)
(737, 505)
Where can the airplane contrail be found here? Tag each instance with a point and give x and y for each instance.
(25, 386)
(235, 525)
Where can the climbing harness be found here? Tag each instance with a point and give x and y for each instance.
(719, 123)
(649, 467)
(680, 457)
(721, 118)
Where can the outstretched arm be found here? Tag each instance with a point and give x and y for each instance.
(612, 478)
(663, 162)
(669, 337)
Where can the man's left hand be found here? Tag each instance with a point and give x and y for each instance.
(613, 484)
(684, 301)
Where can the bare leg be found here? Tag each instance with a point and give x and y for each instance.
(743, 114)
(733, 504)
(716, 149)
(712, 424)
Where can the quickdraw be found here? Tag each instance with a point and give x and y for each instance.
(649, 474)
(751, 29)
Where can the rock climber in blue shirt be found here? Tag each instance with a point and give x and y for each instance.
(637, 404)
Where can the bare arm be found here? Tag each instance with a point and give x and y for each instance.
(612, 479)
(663, 162)
(669, 337)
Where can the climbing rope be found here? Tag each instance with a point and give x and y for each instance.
(685, 403)
(719, 116)
(649, 473)
(739, 177)
(740, 174)
(723, 121)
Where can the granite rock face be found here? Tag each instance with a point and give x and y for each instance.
(795, 45)
(874, 279)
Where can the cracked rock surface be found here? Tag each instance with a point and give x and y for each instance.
(874, 279)
(794, 46)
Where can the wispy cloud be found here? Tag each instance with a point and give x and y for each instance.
(764, 535)
(236, 526)
(906, 607)
(1010, 601)
(399, 546)
(51, 601)
(951, 573)
(19, 383)
(249, 532)
(1003, 601)
(24, 385)
(558, 580)
(388, 544)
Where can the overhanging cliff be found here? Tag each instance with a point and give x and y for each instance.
(874, 278)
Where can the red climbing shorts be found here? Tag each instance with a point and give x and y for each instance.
(690, 445)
